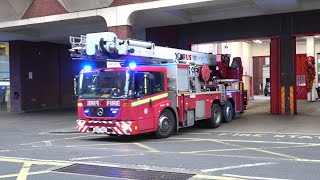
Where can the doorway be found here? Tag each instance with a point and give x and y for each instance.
(261, 74)
(4, 77)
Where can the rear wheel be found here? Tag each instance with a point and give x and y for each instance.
(166, 124)
(228, 112)
(216, 117)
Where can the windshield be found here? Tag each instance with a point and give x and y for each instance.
(105, 85)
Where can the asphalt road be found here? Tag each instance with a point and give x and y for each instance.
(36, 145)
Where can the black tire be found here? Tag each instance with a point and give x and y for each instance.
(228, 112)
(265, 94)
(166, 124)
(216, 117)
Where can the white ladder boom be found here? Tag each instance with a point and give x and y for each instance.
(107, 46)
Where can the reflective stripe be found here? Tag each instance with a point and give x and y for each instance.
(144, 101)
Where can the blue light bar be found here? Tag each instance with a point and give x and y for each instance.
(132, 65)
(87, 68)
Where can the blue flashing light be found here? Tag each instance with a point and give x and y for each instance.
(114, 112)
(132, 65)
(86, 111)
(87, 68)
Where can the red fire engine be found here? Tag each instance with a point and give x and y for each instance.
(146, 88)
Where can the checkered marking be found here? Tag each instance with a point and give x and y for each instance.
(104, 127)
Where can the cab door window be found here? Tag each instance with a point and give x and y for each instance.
(147, 83)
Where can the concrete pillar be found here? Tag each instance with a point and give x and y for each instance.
(236, 49)
(123, 32)
(246, 58)
(288, 73)
(219, 48)
(312, 96)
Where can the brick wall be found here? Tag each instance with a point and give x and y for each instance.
(123, 32)
(125, 2)
(40, 8)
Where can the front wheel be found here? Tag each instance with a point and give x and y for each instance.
(216, 116)
(166, 124)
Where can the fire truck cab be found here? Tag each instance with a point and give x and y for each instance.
(145, 88)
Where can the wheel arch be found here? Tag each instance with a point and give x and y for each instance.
(216, 101)
(175, 114)
(233, 103)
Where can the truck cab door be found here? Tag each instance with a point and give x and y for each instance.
(149, 88)
(144, 103)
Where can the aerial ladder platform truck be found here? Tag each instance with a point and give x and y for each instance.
(145, 88)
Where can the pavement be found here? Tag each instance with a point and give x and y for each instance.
(256, 145)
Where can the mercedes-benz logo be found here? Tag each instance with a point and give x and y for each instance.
(100, 112)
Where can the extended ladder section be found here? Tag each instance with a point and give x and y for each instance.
(106, 46)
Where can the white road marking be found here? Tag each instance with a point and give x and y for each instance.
(237, 167)
(4, 150)
(252, 177)
(98, 157)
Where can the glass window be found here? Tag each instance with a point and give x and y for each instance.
(147, 83)
(108, 84)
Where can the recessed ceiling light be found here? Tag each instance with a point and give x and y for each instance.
(257, 41)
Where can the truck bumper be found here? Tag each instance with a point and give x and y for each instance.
(107, 127)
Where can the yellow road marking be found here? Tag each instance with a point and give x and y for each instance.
(308, 160)
(56, 140)
(261, 150)
(298, 159)
(30, 173)
(16, 160)
(263, 142)
(248, 157)
(48, 143)
(277, 154)
(215, 177)
(117, 144)
(150, 149)
(241, 149)
(110, 144)
(24, 171)
(216, 150)
(267, 133)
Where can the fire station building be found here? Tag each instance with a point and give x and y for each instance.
(276, 41)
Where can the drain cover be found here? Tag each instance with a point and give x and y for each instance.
(123, 172)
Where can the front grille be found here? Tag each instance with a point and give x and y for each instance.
(124, 173)
(101, 111)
